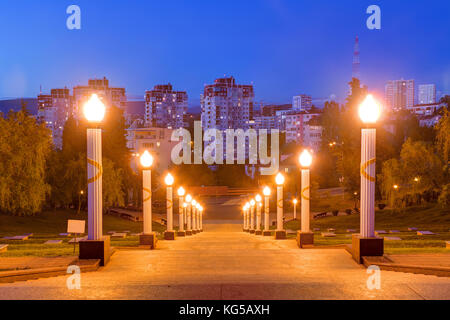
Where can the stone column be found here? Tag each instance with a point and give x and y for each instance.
(280, 233)
(266, 217)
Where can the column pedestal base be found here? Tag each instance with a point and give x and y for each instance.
(267, 233)
(280, 234)
(96, 249)
(189, 233)
(148, 240)
(258, 232)
(251, 231)
(366, 247)
(181, 233)
(305, 238)
(245, 230)
(169, 235)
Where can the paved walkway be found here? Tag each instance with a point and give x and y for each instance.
(224, 263)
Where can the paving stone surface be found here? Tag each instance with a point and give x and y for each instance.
(225, 263)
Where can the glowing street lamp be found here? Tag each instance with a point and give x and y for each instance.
(295, 201)
(280, 233)
(252, 215)
(148, 237)
(266, 193)
(170, 233)
(181, 192)
(188, 215)
(305, 236)
(94, 111)
(258, 230)
(366, 244)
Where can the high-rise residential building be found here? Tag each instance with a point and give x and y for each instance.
(54, 110)
(166, 108)
(109, 95)
(399, 94)
(302, 102)
(227, 105)
(294, 124)
(427, 93)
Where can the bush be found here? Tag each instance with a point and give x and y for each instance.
(348, 211)
(381, 206)
(335, 212)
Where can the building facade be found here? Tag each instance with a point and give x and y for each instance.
(54, 110)
(165, 107)
(399, 94)
(226, 105)
(427, 93)
(300, 129)
(302, 102)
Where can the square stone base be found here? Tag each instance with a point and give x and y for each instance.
(181, 233)
(245, 230)
(169, 235)
(280, 234)
(194, 231)
(148, 240)
(251, 231)
(366, 247)
(305, 238)
(96, 249)
(258, 232)
(267, 233)
(189, 233)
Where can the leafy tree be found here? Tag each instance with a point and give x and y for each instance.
(443, 136)
(24, 149)
(112, 185)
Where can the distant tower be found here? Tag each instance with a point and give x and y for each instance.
(355, 68)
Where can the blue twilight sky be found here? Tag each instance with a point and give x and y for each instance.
(284, 47)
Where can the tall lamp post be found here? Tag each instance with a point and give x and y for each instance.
(194, 216)
(97, 245)
(266, 193)
(366, 243)
(305, 236)
(295, 201)
(148, 237)
(200, 220)
(181, 192)
(280, 233)
(199, 212)
(258, 230)
(252, 215)
(188, 215)
(244, 217)
(247, 216)
(170, 233)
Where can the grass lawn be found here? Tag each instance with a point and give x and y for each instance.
(431, 218)
(48, 225)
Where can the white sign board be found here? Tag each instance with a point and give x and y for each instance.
(75, 226)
